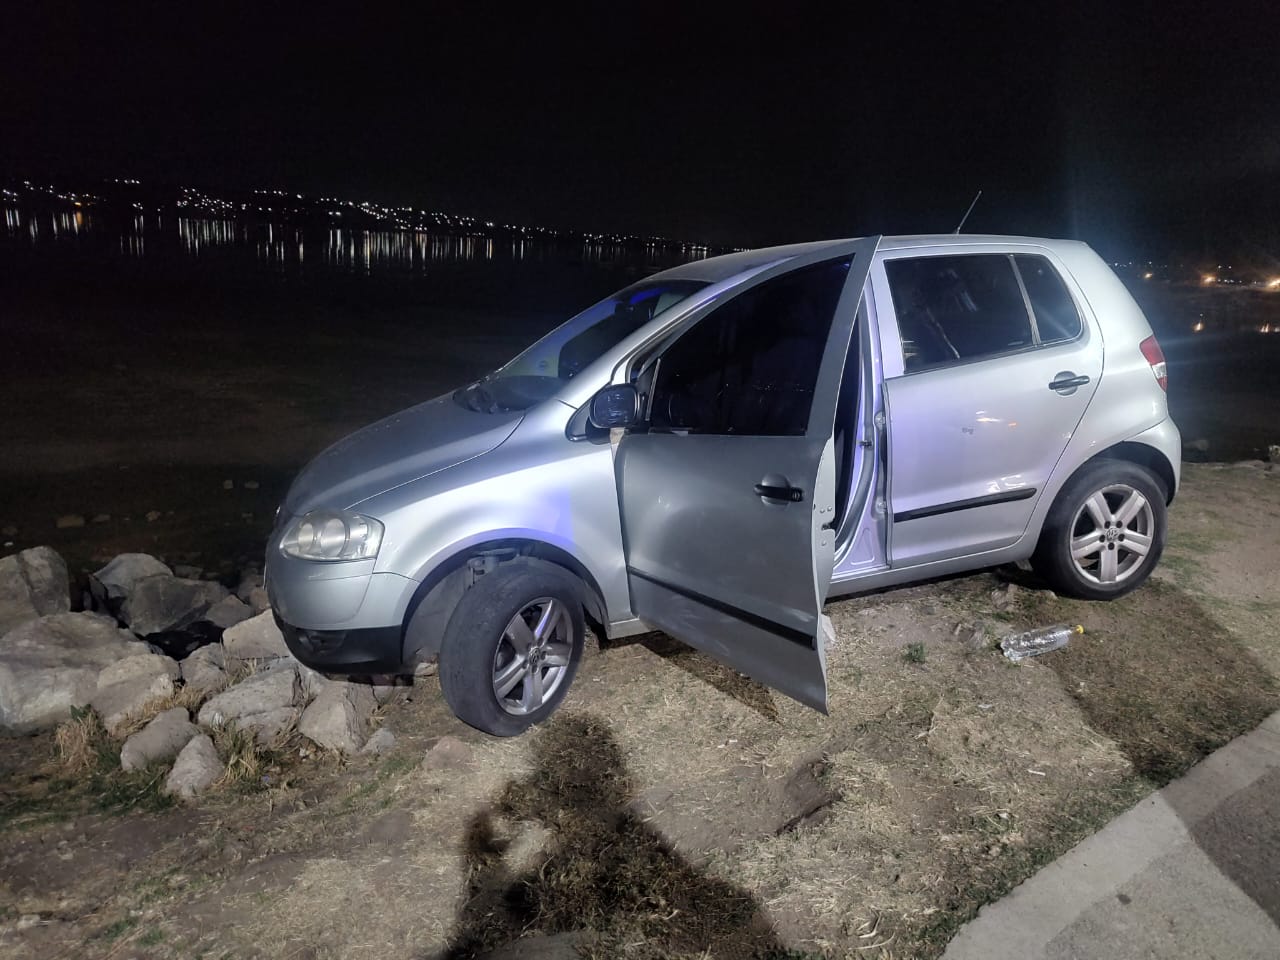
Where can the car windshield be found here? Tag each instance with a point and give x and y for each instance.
(537, 373)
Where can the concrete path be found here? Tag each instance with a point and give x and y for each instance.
(1191, 872)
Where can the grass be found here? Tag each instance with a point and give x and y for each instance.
(189, 698)
(81, 741)
(633, 814)
(607, 871)
(118, 929)
(239, 750)
(1167, 702)
(84, 774)
(1079, 818)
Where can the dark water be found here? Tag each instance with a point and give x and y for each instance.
(147, 362)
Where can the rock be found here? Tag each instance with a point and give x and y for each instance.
(258, 600)
(385, 687)
(33, 584)
(114, 582)
(427, 669)
(1273, 454)
(196, 769)
(49, 665)
(251, 484)
(118, 703)
(313, 681)
(102, 518)
(1003, 595)
(139, 665)
(269, 726)
(249, 580)
(338, 719)
(228, 484)
(153, 516)
(227, 612)
(271, 690)
(977, 640)
(257, 638)
(160, 603)
(203, 669)
(69, 521)
(159, 740)
(382, 741)
(187, 572)
(448, 753)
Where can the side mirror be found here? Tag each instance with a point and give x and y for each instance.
(616, 406)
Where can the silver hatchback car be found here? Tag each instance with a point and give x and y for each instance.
(718, 449)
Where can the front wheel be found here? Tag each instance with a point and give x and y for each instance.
(1104, 533)
(512, 647)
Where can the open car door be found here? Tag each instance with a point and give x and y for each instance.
(727, 487)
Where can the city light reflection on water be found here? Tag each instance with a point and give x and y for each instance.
(288, 247)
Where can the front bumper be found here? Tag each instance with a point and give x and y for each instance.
(371, 650)
(340, 617)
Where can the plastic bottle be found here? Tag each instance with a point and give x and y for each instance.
(1032, 643)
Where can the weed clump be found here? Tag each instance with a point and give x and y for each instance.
(82, 743)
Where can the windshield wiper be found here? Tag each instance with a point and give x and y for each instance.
(478, 399)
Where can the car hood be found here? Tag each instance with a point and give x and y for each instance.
(404, 447)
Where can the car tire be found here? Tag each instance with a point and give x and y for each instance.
(512, 647)
(1105, 532)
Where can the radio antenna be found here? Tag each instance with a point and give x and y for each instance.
(969, 211)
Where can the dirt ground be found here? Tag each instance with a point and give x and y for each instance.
(674, 809)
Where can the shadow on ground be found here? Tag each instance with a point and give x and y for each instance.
(1170, 692)
(728, 681)
(601, 870)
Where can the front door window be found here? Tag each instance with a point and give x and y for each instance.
(749, 368)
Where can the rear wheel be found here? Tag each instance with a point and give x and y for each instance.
(512, 647)
(1104, 533)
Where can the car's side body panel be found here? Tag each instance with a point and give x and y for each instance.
(973, 443)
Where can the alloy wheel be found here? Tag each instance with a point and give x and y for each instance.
(1112, 534)
(532, 657)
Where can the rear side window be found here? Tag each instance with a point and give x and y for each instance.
(750, 366)
(1056, 316)
(957, 308)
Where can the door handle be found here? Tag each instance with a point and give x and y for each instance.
(772, 492)
(1067, 381)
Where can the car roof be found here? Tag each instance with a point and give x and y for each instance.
(715, 269)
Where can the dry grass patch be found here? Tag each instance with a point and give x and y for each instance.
(1168, 689)
(673, 808)
(80, 742)
(239, 750)
(187, 697)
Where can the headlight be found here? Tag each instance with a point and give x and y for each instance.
(333, 535)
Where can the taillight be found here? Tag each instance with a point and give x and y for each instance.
(1150, 348)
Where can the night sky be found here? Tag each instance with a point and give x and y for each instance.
(1145, 130)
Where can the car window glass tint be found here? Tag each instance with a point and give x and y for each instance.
(749, 367)
(957, 308)
(1056, 316)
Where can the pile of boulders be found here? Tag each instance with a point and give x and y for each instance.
(111, 657)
